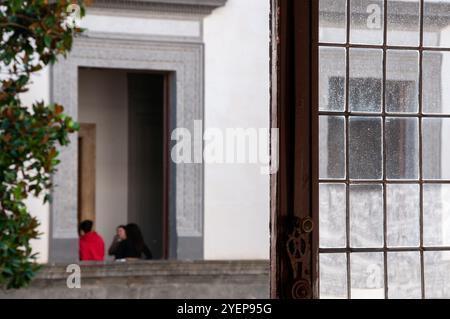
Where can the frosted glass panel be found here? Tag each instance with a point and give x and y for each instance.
(403, 214)
(436, 23)
(402, 148)
(404, 275)
(366, 154)
(365, 86)
(366, 216)
(437, 274)
(367, 273)
(402, 81)
(384, 153)
(436, 214)
(333, 276)
(332, 74)
(332, 21)
(403, 22)
(332, 147)
(366, 25)
(436, 75)
(332, 205)
(436, 148)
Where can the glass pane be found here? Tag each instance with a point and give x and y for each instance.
(437, 274)
(436, 76)
(436, 148)
(332, 21)
(402, 78)
(365, 86)
(403, 214)
(404, 275)
(403, 22)
(332, 209)
(436, 23)
(366, 25)
(366, 216)
(332, 73)
(333, 276)
(332, 147)
(367, 273)
(365, 148)
(436, 215)
(402, 148)
(389, 132)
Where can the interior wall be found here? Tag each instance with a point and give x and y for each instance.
(237, 95)
(103, 101)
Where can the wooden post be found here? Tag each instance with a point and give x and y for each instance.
(294, 193)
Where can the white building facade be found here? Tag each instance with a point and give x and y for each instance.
(212, 56)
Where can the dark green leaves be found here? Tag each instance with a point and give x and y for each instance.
(32, 35)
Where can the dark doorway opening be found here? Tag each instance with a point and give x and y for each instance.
(146, 142)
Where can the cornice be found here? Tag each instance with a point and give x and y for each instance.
(199, 7)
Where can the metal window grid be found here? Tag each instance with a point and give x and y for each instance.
(348, 250)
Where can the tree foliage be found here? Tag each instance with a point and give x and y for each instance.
(33, 33)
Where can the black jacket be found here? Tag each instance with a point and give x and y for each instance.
(126, 249)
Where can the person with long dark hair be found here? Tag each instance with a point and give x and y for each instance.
(133, 246)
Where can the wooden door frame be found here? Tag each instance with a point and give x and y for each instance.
(294, 189)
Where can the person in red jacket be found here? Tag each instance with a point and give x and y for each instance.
(92, 246)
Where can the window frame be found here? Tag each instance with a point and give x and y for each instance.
(294, 188)
(295, 112)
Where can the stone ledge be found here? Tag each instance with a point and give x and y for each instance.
(152, 279)
(159, 268)
(202, 7)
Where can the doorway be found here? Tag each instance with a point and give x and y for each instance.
(123, 147)
(147, 144)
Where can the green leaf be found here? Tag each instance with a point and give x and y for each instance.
(47, 40)
(28, 139)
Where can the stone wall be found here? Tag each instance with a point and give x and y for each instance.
(153, 279)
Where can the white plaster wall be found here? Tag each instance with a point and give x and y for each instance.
(237, 95)
(141, 25)
(39, 90)
(103, 101)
